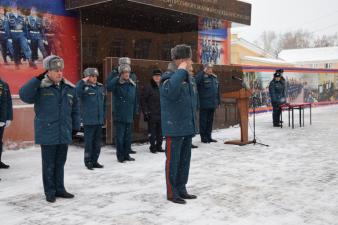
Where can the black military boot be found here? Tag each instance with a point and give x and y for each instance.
(188, 196)
(50, 199)
(3, 166)
(212, 140)
(194, 146)
(89, 165)
(64, 194)
(97, 165)
(177, 200)
(160, 149)
(130, 159)
(152, 149)
(132, 151)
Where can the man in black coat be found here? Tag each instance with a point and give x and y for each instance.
(277, 93)
(151, 108)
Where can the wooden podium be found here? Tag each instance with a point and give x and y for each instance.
(242, 99)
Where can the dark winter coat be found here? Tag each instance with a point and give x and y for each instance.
(92, 102)
(208, 90)
(56, 109)
(178, 109)
(6, 107)
(125, 99)
(277, 91)
(150, 101)
(114, 73)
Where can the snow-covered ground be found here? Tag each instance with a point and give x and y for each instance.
(292, 182)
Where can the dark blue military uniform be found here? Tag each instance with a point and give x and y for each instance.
(209, 99)
(125, 106)
(6, 108)
(92, 102)
(178, 111)
(36, 36)
(278, 97)
(18, 35)
(115, 73)
(4, 35)
(56, 116)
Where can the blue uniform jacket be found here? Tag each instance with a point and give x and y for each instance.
(178, 107)
(56, 110)
(125, 99)
(208, 90)
(92, 103)
(277, 91)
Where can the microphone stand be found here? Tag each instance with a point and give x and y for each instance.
(254, 141)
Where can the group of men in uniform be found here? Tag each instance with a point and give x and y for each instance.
(211, 52)
(60, 106)
(22, 36)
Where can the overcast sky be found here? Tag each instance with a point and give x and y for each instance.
(318, 16)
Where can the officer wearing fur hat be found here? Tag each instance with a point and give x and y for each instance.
(125, 106)
(6, 114)
(209, 99)
(115, 73)
(178, 122)
(57, 117)
(277, 93)
(151, 108)
(92, 103)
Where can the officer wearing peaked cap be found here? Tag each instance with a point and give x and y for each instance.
(57, 118)
(92, 103)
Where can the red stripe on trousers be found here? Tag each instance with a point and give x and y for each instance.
(169, 187)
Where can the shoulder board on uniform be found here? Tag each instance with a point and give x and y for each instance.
(67, 82)
(132, 82)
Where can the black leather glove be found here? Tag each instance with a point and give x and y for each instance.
(41, 76)
(74, 132)
(146, 117)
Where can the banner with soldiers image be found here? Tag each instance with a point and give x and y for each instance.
(31, 30)
(213, 45)
(302, 86)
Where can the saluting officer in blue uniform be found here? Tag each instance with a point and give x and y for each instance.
(35, 34)
(125, 106)
(57, 118)
(4, 35)
(92, 103)
(6, 114)
(209, 99)
(18, 36)
(115, 73)
(178, 110)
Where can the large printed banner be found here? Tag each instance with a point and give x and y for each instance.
(301, 87)
(213, 42)
(30, 30)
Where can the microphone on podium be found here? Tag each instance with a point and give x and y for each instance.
(236, 78)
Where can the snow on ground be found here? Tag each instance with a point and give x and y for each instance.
(292, 182)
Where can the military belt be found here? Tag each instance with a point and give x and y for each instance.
(34, 32)
(16, 31)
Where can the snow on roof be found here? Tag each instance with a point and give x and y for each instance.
(327, 54)
(266, 60)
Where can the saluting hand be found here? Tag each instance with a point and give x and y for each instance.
(85, 79)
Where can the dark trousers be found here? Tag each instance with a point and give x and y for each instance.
(20, 44)
(92, 137)
(123, 140)
(155, 135)
(276, 113)
(37, 44)
(178, 153)
(3, 48)
(206, 121)
(53, 162)
(2, 129)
